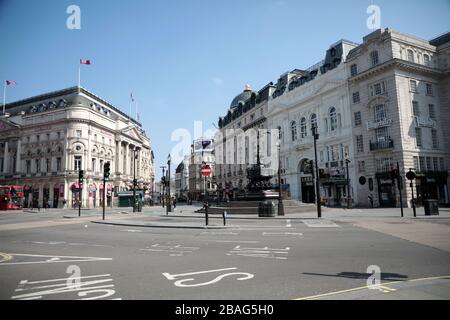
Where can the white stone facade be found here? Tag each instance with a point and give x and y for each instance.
(321, 98)
(47, 139)
(402, 84)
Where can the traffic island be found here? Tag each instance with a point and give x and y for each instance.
(176, 225)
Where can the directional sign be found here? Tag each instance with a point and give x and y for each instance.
(206, 171)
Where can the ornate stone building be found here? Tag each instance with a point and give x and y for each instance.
(45, 141)
(400, 105)
(235, 147)
(317, 96)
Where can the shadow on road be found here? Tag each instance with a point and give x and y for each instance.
(359, 275)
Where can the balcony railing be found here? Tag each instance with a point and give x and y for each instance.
(380, 145)
(385, 122)
(425, 122)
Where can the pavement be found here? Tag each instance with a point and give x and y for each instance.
(47, 256)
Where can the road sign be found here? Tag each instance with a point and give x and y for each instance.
(206, 171)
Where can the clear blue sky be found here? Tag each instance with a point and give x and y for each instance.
(185, 60)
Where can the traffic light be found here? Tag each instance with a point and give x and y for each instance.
(107, 170)
(394, 174)
(81, 175)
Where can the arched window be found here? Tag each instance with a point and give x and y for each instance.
(294, 130)
(410, 55)
(333, 119)
(374, 58)
(313, 120)
(303, 131)
(426, 59)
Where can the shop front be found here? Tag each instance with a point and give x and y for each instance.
(432, 185)
(386, 190)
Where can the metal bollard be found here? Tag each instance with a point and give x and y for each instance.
(224, 218)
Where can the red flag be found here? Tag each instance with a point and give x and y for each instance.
(85, 61)
(9, 82)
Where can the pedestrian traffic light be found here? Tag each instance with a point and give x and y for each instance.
(107, 170)
(81, 175)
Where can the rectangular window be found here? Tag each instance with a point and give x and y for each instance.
(38, 165)
(78, 133)
(384, 164)
(58, 164)
(426, 59)
(28, 166)
(48, 136)
(416, 109)
(361, 166)
(59, 135)
(416, 163)
(431, 112)
(429, 89)
(93, 164)
(429, 168)
(442, 164)
(374, 58)
(377, 89)
(356, 97)
(382, 134)
(359, 144)
(419, 137)
(434, 138)
(353, 70)
(47, 165)
(413, 86)
(77, 163)
(435, 164)
(379, 113)
(38, 138)
(101, 165)
(422, 164)
(358, 119)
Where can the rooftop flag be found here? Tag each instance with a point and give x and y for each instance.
(9, 82)
(85, 61)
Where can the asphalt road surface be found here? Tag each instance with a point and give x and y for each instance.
(250, 259)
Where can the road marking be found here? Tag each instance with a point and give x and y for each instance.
(52, 259)
(219, 233)
(55, 243)
(368, 288)
(292, 234)
(266, 252)
(173, 250)
(288, 224)
(180, 283)
(84, 289)
(4, 257)
(232, 241)
(131, 230)
(320, 224)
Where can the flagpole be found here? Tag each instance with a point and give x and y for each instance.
(131, 103)
(4, 96)
(136, 107)
(79, 76)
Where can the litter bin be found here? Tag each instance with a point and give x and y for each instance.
(267, 209)
(431, 207)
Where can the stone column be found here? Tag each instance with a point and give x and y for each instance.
(18, 161)
(127, 159)
(119, 158)
(5, 159)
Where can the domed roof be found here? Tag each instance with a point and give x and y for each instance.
(244, 96)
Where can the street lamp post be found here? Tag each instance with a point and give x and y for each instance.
(134, 179)
(169, 204)
(163, 184)
(280, 197)
(347, 161)
(316, 137)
